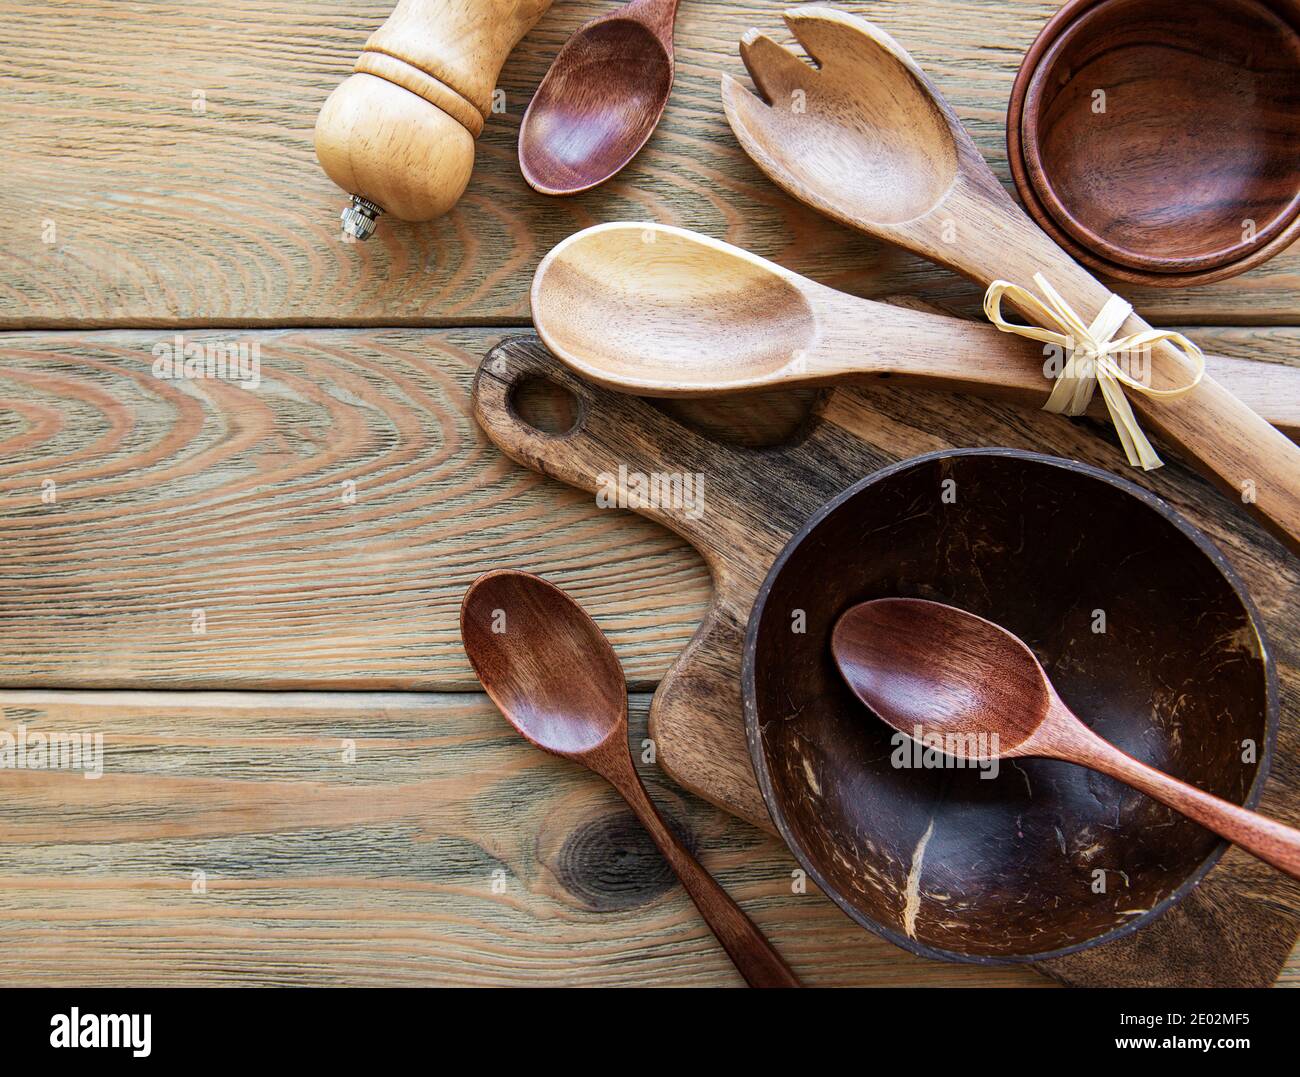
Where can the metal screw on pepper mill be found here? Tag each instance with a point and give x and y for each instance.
(360, 217)
(398, 134)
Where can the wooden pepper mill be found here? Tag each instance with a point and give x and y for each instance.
(398, 134)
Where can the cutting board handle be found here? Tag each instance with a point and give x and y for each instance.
(621, 448)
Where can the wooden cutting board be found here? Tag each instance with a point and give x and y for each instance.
(1236, 928)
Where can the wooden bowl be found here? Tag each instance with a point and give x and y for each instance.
(1046, 858)
(1198, 135)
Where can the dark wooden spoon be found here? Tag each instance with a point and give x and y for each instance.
(556, 679)
(933, 671)
(601, 100)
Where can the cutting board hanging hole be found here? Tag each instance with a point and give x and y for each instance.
(545, 406)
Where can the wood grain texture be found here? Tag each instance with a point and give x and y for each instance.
(133, 201)
(177, 493)
(756, 500)
(378, 871)
(159, 172)
(176, 496)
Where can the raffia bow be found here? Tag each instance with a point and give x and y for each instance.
(1089, 357)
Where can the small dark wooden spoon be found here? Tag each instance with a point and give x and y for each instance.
(601, 100)
(933, 670)
(556, 679)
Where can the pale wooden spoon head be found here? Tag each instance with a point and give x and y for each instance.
(923, 666)
(860, 136)
(544, 663)
(662, 311)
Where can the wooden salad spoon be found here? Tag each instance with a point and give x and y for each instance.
(662, 311)
(601, 99)
(554, 676)
(930, 669)
(867, 139)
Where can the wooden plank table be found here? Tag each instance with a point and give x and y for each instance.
(252, 595)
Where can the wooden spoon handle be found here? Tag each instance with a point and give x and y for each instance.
(658, 15)
(1255, 463)
(1271, 841)
(1252, 461)
(752, 954)
(940, 352)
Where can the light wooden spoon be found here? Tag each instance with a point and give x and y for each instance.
(556, 679)
(932, 669)
(867, 139)
(662, 311)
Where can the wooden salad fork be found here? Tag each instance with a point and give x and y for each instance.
(866, 139)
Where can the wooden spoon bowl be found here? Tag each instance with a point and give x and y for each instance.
(942, 861)
(1190, 173)
(637, 281)
(601, 99)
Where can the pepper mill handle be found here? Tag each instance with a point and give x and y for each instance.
(398, 134)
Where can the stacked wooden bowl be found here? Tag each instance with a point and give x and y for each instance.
(1156, 140)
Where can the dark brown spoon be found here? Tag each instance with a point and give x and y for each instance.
(931, 670)
(556, 679)
(601, 100)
